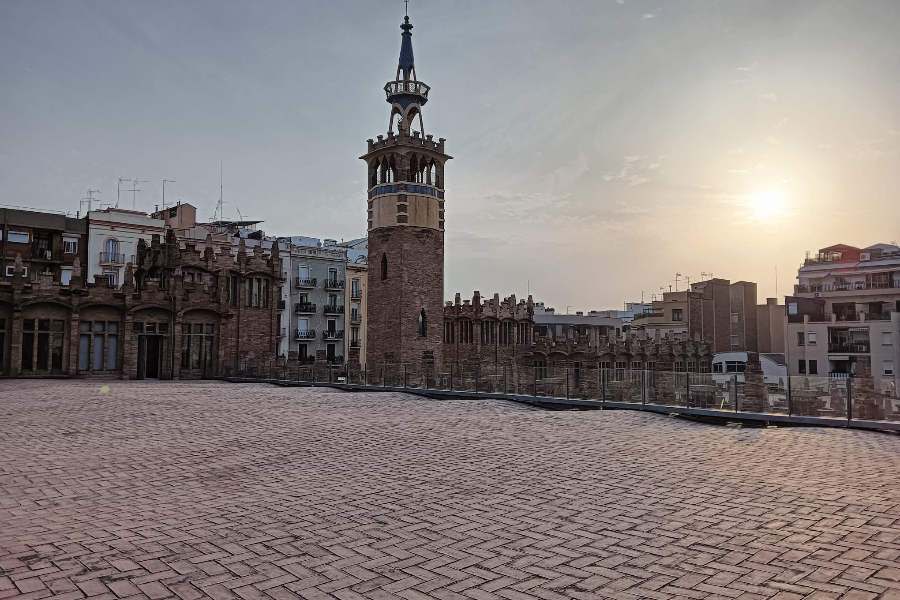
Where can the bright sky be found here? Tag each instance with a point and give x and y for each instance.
(600, 147)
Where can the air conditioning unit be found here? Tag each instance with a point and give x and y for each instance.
(818, 294)
(865, 256)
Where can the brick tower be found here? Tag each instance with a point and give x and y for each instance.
(406, 228)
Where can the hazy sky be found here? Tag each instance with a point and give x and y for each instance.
(600, 146)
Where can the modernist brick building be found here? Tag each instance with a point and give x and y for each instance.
(185, 310)
(406, 227)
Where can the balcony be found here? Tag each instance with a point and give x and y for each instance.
(306, 360)
(305, 334)
(333, 309)
(283, 276)
(305, 282)
(843, 317)
(329, 335)
(335, 360)
(658, 312)
(355, 318)
(885, 316)
(843, 288)
(42, 254)
(356, 294)
(112, 258)
(415, 88)
(282, 332)
(282, 304)
(304, 308)
(334, 284)
(355, 343)
(849, 347)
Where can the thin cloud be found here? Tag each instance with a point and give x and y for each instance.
(767, 97)
(646, 16)
(781, 123)
(773, 140)
(750, 68)
(736, 151)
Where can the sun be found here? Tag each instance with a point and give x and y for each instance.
(767, 204)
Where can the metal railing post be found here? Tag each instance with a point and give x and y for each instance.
(567, 383)
(365, 374)
(534, 376)
(382, 375)
(643, 388)
(451, 377)
(404, 376)
(849, 400)
(477, 374)
(504, 379)
(427, 373)
(687, 389)
(790, 404)
(734, 391)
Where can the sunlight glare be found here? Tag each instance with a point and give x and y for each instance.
(767, 204)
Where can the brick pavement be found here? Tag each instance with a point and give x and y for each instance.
(189, 490)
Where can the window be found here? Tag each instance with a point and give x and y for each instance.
(42, 245)
(113, 277)
(735, 318)
(801, 339)
(679, 367)
(98, 346)
(70, 245)
(813, 367)
(197, 347)
(465, 332)
(811, 338)
(19, 237)
(801, 367)
(717, 367)
(11, 268)
(886, 338)
(792, 308)
(488, 333)
(384, 271)
(354, 288)
(42, 346)
(423, 324)
(448, 332)
(332, 300)
(256, 292)
(677, 314)
(65, 275)
(635, 365)
(619, 374)
(735, 366)
(540, 369)
(735, 342)
(233, 292)
(888, 367)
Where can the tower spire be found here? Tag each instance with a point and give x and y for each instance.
(407, 62)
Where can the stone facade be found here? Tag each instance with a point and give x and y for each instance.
(184, 311)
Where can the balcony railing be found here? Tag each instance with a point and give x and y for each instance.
(303, 308)
(332, 309)
(305, 334)
(846, 317)
(850, 347)
(306, 360)
(333, 335)
(282, 304)
(649, 313)
(355, 343)
(305, 282)
(334, 284)
(356, 294)
(335, 360)
(282, 332)
(355, 318)
(393, 88)
(851, 286)
(886, 316)
(112, 258)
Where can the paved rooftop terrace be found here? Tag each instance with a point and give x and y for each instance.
(158, 490)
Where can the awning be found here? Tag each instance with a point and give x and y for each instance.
(835, 357)
(859, 329)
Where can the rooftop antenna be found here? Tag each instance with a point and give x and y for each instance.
(89, 200)
(165, 181)
(134, 190)
(407, 7)
(688, 278)
(220, 205)
(119, 189)
(677, 275)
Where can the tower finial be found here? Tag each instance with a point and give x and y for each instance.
(407, 7)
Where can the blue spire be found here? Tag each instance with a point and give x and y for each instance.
(406, 52)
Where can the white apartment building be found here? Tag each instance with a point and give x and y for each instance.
(846, 308)
(113, 234)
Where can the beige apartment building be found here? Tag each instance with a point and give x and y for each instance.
(716, 311)
(846, 311)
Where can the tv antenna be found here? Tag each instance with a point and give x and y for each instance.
(119, 189)
(134, 190)
(89, 199)
(165, 181)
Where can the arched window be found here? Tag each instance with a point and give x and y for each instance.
(111, 250)
(423, 324)
(383, 266)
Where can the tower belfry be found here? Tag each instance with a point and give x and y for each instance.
(406, 227)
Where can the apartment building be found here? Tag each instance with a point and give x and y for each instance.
(845, 311)
(113, 236)
(715, 311)
(357, 267)
(318, 290)
(770, 326)
(548, 322)
(46, 241)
